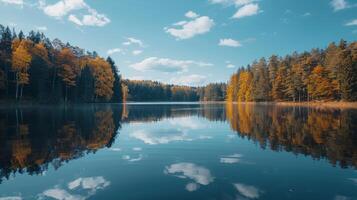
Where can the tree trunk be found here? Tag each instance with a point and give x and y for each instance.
(22, 87)
(65, 96)
(17, 87)
(53, 81)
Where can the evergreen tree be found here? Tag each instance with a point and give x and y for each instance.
(117, 90)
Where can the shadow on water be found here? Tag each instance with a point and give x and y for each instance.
(34, 138)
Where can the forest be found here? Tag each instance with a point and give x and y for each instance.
(145, 90)
(33, 68)
(319, 75)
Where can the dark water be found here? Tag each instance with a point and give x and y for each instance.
(182, 151)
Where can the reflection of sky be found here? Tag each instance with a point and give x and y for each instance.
(247, 191)
(200, 175)
(169, 130)
(78, 189)
(196, 156)
(231, 159)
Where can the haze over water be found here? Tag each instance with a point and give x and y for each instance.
(178, 151)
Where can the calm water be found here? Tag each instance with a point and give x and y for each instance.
(183, 151)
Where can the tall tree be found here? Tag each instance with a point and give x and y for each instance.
(21, 60)
(117, 90)
(69, 69)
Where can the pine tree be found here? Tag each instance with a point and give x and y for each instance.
(117, 90)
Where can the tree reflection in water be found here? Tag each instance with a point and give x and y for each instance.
(318, 132)
(34, 138)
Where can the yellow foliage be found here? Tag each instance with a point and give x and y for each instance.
(103, 76)
(69, 68)
(21, 59)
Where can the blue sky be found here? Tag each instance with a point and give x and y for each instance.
(190, 42)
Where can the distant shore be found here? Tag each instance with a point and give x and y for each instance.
(330, 104)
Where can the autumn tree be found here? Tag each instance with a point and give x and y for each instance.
(245, 87)
(68, 69)
(319, 87)
(103, 76)
(21, 59)
(260, 81)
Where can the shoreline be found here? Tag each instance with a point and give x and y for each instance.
(315, 104)
(328, 104)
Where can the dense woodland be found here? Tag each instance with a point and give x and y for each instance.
(319, 75)
(156, 91)
(34, 68)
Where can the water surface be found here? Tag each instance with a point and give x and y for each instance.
(178, 151)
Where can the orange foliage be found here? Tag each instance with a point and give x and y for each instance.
(103, 76)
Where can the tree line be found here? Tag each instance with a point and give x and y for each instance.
(146, 90)
(36, 69)
(319, 75)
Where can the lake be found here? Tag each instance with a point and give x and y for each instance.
(178, 151)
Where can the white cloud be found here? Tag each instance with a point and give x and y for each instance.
(246, 11)
(339, 4)
(137, 52)
(137, 149)
(65, 7)
(189, 29)
(113, 51)
(74, 19)
(231, 159)
(41, 28)
(131, 40)
(16, 2)
(162, 136)
(352, 23)
(306, 14)
(229, 42)
(247, 190)
(192, 187)
(180, 23)
(93, 19)
(166, 64)
(191, 14)
(87, 186)
(11, 198)
(89, 183)
(189, 80)
(186, 122)
(231, 2)
(230, 65)
(128, 158)
(115, 149)
(61, 194)
(200, 175)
